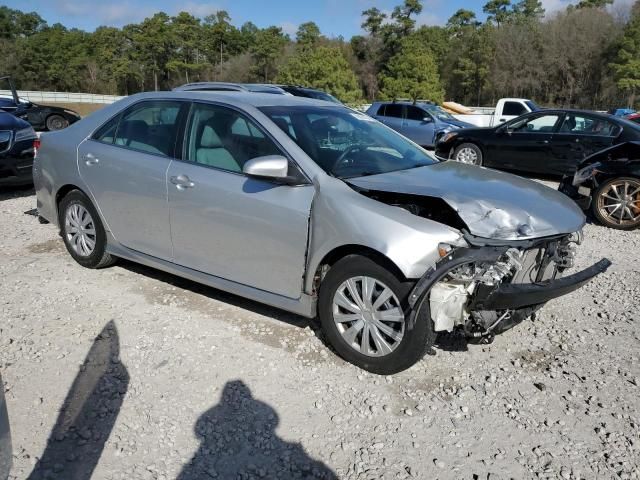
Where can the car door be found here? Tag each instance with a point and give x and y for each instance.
(578, 137)
(510, 110)
(418, 126)
(524, 143)
(223, 223)
(124, 166)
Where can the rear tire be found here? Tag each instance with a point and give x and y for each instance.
(82, 231)
(468, 153)
(393, 342)
(56, 122)
(605, 199)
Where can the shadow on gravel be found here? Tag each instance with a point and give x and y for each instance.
(238, 440)
(88, 414)
(8, 192)
(452, 342)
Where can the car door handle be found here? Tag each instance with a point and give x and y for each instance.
(543, 142)
(182, 181)
(90, 159)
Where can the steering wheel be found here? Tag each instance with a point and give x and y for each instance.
(343, 156)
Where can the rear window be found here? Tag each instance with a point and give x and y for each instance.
(513, 109)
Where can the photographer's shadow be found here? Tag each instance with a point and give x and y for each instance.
(88, 414)
(238, 440)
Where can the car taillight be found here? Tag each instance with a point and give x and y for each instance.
(36, 146)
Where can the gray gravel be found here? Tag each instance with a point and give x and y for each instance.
(129, 373)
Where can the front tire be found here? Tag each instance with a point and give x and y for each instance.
(468, 153)
(365, 316)
(56, 122)
(616, 203)
(82, 231)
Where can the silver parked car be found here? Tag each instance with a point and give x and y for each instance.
(313, 208)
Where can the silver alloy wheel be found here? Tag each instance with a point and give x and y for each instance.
(620, 203)
(368, 315)
(467, 155)
(80, 230)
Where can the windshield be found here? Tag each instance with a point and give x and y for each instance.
(532, 106)
(346, 143)
(439, 112)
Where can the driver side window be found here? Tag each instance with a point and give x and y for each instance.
(539, 124)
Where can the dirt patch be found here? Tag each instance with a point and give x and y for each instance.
(50, 246)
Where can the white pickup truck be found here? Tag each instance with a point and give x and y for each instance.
(506, 109)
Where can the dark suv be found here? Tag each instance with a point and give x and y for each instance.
(295, 90)
(17, 139)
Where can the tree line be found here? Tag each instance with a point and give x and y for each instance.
(585, 56)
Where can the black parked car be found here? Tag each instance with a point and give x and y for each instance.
(41, 117)
(5, 437)
(17, 139)
(609, 183)
(550, 142)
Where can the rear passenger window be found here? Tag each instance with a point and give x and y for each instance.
(583, 125)
(513, 109)
(150, 127)
(393, 110)
(223, 138)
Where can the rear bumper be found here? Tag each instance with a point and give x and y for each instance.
(573, 192)
(514, 296)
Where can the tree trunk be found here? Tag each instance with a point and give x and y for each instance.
(155, 80)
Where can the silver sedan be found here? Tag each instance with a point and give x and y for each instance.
(313, 208)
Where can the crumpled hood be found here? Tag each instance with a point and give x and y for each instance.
(492, 204)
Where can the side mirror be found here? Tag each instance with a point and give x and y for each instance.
(427, 120)
(274, 167)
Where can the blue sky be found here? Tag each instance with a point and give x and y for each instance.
(335, 17)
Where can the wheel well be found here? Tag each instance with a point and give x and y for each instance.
(340, 252)
(63, 191)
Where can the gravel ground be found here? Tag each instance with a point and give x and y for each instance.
(129, 373)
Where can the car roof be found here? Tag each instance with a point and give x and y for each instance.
(229, 86)
(239, 98)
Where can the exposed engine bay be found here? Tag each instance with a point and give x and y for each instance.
(451, 298)
(495, 283)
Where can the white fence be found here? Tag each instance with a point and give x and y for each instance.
(62, 97)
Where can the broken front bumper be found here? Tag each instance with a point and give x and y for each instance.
(514, 296)
(504, 296)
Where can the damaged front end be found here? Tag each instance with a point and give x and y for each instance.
(485, 290)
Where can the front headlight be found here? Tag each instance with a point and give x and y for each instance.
(71, 112)
(448, 136)
(25, 134)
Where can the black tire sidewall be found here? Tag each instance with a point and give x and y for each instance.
(475, 148)
(418, 335)
(54, 116)
(594, 205)
(77, 197)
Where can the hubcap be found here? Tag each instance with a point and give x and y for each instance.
(368, 316)
(620, 203)
(467, 155)
(80, 230)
